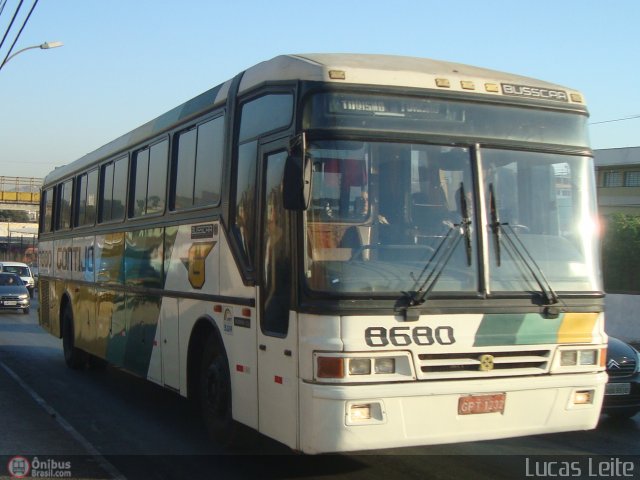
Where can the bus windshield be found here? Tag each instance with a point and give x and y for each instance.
(388, 217)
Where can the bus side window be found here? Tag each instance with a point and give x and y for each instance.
(198, 166)
(276, 235)
(262, 115)
(47, 218)
(64, 205)
(244, 220)
(113, 193)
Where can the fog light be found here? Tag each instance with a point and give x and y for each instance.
(385, 365)
(583, 397)
(568, 358)
(588, 357)
(359, 366)
(361, 412)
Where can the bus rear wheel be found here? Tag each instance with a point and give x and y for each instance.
(215, 394)
(73, 356)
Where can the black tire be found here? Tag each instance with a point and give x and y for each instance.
(214, 390)
(31, 293)
(73, 357)
(25, 311)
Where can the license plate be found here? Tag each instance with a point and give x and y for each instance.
(617, 389)
(475, 404)
(9, 304)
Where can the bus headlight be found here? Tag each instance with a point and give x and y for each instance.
(588, 357)
(568, 358)
(359, 366)
(385, 365)
(356, 368)
(578, 359)
(571, 358)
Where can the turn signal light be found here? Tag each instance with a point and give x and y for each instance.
(330, 367)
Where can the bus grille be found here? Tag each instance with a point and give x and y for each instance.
(482, 364)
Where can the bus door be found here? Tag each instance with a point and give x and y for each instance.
(277, 335)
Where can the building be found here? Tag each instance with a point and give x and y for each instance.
(618, 180)
(18, 241)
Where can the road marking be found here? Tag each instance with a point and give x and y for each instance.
(91, 450)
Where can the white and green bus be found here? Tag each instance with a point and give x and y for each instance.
(343, 252)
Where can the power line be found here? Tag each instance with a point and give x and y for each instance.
(616, 120)
(3, 3)
(24, 24)
(15, 14)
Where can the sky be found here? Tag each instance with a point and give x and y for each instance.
(124, 62)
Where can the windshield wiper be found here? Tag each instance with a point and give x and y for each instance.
(495, 224)
(441, 257)
(466, 223)
(518, 250)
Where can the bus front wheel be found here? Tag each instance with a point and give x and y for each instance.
(73, 356)
(215, 393)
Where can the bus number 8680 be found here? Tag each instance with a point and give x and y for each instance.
(403, 336)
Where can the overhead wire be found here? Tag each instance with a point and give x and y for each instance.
(3, 3)
(13, 19)
(24, 24)
(616, 120)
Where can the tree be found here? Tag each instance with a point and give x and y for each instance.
(621, 253)
(15, 216)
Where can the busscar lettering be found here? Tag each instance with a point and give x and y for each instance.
(203, 231)
(534, 92)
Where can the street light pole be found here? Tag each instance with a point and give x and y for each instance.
(43, 46)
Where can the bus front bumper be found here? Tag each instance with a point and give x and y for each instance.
(361, 417)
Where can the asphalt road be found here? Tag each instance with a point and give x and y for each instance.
(120, 426)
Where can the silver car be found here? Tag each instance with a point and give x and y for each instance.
(13, 293)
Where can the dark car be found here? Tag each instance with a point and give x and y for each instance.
(13, 293)
(622, 393)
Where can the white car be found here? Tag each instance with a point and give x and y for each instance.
(23, 271)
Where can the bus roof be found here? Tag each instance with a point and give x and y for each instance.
(386, 70)
(389, 70)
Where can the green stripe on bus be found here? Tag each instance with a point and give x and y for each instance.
(537, 329)
(498, 329)
(517, 329)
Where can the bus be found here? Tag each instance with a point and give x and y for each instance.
(343, 252)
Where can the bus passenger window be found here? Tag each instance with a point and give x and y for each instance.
(64, 205)
(157, 189)
(208, 172)
(185, 170)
